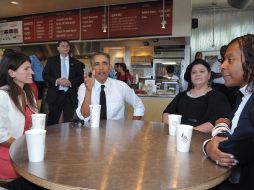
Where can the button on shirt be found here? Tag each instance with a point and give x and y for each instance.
(117, 93)
(245, 98)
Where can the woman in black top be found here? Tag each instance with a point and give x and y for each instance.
(200, 106)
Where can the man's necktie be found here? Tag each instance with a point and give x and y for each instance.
(103, 104)
(64, 74)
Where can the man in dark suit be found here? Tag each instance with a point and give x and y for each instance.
(233, 141)
(64, 75)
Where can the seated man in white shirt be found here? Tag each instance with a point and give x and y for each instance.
(117, 92)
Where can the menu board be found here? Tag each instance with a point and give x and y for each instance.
(122, 21)
(51, 26)
(11, 32)
(92, 21)
(142, 19)
(131, 20)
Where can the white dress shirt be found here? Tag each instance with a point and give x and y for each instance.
(12, 121)
(245, 98)
(174, 77)
(117, 93)
(216, 67)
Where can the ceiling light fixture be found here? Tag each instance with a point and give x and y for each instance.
(163, 22)
(104, 25)
(104, 28)
(14, 2)
(169, 63)
(213, 18)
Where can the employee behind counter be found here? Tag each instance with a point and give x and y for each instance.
(160, 89)
(166, 85)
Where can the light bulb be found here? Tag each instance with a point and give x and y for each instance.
(15, 2)
(104, 28)
(163, 23)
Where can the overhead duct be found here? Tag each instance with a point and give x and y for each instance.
(78, 49)
(239, 4)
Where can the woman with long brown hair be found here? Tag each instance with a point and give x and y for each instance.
(17, 103)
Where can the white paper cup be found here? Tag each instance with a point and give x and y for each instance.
(38, 120)
(95, 112)
(183, 137)
(35, 140)
(173, 121)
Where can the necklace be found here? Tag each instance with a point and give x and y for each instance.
(196, 95)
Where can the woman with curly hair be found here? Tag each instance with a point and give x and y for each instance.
(233, 140)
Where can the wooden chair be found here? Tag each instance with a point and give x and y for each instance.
(38, 102)
(4, 181)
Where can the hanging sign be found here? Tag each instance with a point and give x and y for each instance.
(52, 26)
(11, 32)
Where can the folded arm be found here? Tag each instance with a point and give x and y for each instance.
(8, 142)
(211, 149)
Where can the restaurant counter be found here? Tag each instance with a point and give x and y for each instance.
(154, 106)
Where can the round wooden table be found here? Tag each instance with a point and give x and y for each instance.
(119, 155)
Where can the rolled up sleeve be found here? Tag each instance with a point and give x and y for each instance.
(135, 101)
(81, 96)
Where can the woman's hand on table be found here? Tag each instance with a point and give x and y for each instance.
(220, 158)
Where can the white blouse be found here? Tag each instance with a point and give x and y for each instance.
(12, 121)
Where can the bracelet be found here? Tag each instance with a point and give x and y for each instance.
(223, 120)
(222, 129)
(204, 146)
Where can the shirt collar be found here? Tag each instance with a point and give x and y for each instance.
(61, 57)
(244, 90)
(97, 84)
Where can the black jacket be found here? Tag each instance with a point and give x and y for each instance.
(241, 145)
(52, 71)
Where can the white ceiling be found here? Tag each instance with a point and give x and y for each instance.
(208, 3)
(27, 7)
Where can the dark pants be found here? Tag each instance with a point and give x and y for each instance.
(63, 104)
(226, 185)
(40, 86)
(21, 184)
